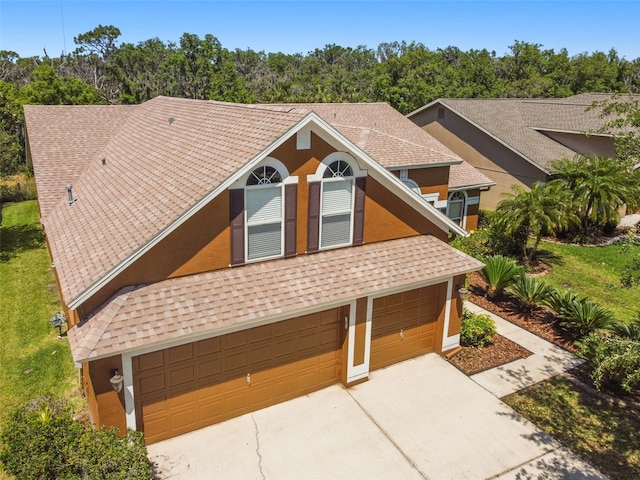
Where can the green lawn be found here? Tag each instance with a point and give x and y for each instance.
(595, 273)
(33, 361)
(605, 436)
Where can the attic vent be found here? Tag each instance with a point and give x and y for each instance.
(171, 120)
(70, 198)
(104, 161)
(440, 113)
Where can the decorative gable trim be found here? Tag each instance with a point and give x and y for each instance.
(329, 134)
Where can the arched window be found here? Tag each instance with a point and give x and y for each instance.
(336, 205)
(264, 211)
(455, 207)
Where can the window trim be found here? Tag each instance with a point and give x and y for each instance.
(247, 224)
(350, 211)
(463, 210)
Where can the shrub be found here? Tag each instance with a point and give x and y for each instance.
(104, 455)
(630, 275)
(615, 361)
(556, 299)
(628, 330)
(45, 433)
(530, 291)
(499, 271)
(584, 316)
(57, 446)
(474, 245)
(477, 330)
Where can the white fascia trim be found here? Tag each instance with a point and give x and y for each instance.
(473, 200)
(482, 129)
(244, 170)
(443, 163)
(440, 203)
(587, 133)
(184, 339)
(472, 186)
(129, 399)
(392, 182)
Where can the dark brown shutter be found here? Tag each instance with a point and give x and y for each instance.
(358, 211)
(236, 221)
(313, 230)
(290, 217)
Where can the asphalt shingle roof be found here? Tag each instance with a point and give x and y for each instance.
(520, 123)
(201, 304)
(135, 170)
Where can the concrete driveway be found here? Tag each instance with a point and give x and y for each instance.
(420, 419)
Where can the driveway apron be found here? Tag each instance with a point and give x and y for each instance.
(419, 419)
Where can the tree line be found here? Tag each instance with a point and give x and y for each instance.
(405, 75)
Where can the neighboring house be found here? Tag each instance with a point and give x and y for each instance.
(216, 258)
(514, 141)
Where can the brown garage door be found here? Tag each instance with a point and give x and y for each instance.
(403, 326)
(184, 388)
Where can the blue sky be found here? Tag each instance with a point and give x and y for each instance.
(28, 26)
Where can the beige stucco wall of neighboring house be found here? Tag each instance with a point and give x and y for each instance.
(489, 156)
(585, 145)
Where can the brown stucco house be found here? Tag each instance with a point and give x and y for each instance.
(216, 258)
(513, 141)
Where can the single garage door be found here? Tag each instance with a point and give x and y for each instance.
(403, 326)
(184, 388)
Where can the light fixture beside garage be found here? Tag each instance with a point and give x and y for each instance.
(116, 380)
(463, 292)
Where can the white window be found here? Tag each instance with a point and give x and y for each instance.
(264, 210)
(455, 207)
(336, 205)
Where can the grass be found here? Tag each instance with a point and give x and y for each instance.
(33, 360)
(594, 272)
(605, 436)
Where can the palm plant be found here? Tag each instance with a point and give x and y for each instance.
(628, 330)
(530, 291)
(599, 186)
(584, 316)
(499, 271)
(555, 298)
(539, 210)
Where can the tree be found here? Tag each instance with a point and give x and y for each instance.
(94, 51)
(536, 212)
(622, 114)
(600, 186)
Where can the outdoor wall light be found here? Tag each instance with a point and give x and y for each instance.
(463, 292)
(57, 321)
(116, 380)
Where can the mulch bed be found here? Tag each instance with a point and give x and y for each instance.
(540, 322)
(501, 351)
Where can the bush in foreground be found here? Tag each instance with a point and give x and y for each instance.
(499, 271)
(615, 361)
(477, 330)
(41, 440)
(529, 291)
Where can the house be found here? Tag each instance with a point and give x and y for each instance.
(514, 141)
(216, 258)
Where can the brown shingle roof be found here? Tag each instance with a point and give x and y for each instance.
(199, 305)
(61, 153)
(520, 123)
(465, 176)
(164, 156)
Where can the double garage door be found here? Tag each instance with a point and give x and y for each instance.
(184, 388)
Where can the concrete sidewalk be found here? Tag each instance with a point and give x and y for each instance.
(547, 360)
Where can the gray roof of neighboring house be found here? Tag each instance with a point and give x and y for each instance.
(161, 158)
(518, 123)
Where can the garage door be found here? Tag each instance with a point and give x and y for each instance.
(184, 388)
(403, 326)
